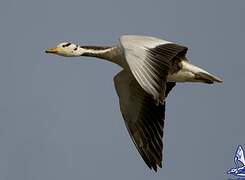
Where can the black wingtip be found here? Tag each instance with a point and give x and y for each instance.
(160, 165)
(155, 169)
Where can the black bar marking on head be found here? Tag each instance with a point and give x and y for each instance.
(66, 45)
(75, 48)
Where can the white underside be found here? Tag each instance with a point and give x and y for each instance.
(182, 76)
(187, 73)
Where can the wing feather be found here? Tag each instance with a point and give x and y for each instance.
(150, 60)
(143, 118)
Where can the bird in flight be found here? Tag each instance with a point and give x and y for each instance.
(151, 68)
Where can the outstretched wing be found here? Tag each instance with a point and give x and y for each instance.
(143, 118)
(150, 60)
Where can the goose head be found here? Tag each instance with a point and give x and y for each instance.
(66, 49)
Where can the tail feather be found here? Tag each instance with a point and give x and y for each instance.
(207, 78)
(200, 74)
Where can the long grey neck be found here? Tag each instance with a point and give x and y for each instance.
(112, 53)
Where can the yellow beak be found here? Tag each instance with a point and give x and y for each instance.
(52, 50)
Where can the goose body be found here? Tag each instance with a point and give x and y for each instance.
(151, 68)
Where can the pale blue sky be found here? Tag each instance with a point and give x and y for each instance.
(59, 117)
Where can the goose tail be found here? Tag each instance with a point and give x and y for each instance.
(200, 74)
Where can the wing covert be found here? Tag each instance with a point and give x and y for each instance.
(150, 60)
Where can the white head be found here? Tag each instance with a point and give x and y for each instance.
(66, 49)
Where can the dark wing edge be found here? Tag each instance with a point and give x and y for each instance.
(143, 118)
(165, 60)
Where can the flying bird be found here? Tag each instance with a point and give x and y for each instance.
(151, 68)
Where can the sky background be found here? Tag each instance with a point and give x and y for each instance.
(60, 118)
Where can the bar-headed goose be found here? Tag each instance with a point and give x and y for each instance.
(151, 67)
